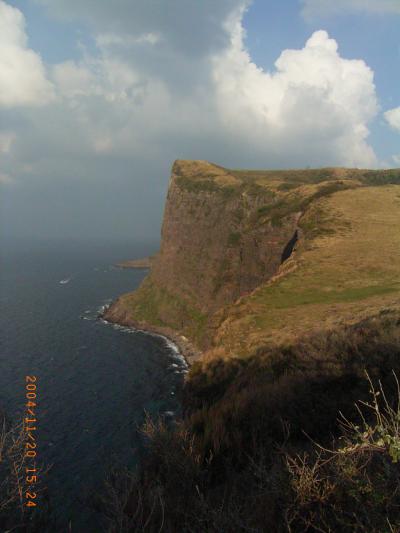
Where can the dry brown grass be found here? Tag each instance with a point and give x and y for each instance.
(203, 170)
(344, 268)
(255, 450)
(287, 358)
(338, 277)
(354, 486)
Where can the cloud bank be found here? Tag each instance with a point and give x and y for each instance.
(393, 118)
(22, 74)
(315, 104)
(159, 85)
(312, 108)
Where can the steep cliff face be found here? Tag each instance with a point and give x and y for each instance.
(213, 248)
(226, 234)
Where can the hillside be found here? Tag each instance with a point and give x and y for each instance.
(289, 283)
(250, 258)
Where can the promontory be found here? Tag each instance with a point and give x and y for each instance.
(251, 258)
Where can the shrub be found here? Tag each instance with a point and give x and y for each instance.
(14, 516)
(353, 487)
(244, 458)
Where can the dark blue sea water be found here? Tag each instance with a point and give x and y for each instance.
(95, 380)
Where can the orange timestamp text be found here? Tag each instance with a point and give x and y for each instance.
(30, 451)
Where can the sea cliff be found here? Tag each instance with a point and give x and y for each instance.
(243, 251)
(288, 283)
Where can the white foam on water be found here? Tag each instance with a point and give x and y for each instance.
(173, 348)
(103, 308)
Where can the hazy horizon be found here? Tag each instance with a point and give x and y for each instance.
(103, 98)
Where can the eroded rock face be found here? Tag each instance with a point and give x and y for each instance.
(225, 234)
(217, 245)
(214, 246)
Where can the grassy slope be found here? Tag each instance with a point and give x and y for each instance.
(345, 265)
(351, 269)
(232, 463)
(155, 306)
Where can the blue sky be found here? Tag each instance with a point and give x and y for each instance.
(364, 34)
(103, 96)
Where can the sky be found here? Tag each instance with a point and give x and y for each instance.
(99, 97)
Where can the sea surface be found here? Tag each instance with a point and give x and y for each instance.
(95, 380)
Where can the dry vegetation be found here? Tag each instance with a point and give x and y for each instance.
(346, 267)
(260, 447)
(14, 515)
(295, 439)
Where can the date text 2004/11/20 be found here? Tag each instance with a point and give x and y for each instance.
(30, 452)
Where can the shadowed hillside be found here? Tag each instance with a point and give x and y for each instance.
(219, 277)
(289, 282)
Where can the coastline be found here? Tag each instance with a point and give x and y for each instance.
(143, 263)
(115, 315)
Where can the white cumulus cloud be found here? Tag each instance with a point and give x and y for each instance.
(124, 102)
(393, 118)
(156, 84)
(315, 102)
(23, 79)
(312, 109)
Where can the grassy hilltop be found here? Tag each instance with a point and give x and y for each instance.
(289, 283)
(346, 266)
(220, 280)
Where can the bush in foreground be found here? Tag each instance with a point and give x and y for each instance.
(278, 443)
(14, 515)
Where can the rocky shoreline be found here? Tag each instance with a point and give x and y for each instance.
(118, 315)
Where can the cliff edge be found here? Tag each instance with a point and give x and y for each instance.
(253, 257)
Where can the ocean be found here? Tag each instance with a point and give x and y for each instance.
(95, 381)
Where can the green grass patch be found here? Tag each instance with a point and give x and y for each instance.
(300, 176)
(296, 203)
(319, 222)
(205, 185)
(152, 304)
(381, 177)
(283, 299)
